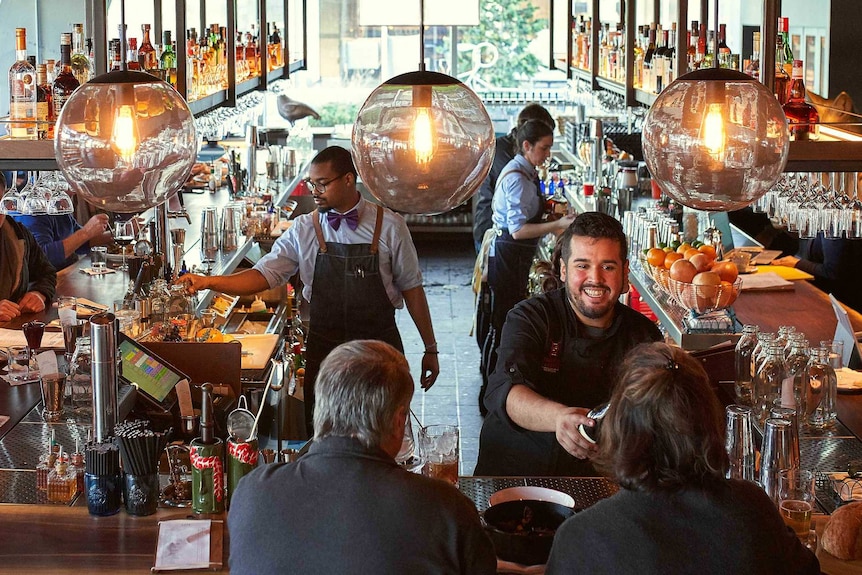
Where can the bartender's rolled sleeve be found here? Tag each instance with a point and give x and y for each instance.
(281, 263)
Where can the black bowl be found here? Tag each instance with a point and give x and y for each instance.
(523, 531)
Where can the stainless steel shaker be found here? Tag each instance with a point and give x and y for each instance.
(209, 234)
(230, 227)
(103, 341)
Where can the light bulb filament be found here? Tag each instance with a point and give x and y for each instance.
(423, 136)
(713, 133)
(124, 136)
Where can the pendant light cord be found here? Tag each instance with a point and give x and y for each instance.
(421, 35)
(123, 65)
(715, 38)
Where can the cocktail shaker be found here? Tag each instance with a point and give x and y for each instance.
(103, 339)
(209, 234)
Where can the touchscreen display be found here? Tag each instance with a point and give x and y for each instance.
(149, 373)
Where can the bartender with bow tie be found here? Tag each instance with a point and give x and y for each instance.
(356, 258)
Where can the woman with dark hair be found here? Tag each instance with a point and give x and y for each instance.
(517, 216)
(663, 441)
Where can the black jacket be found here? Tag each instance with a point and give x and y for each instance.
(37, 273)
(580, 374)
(482, 211)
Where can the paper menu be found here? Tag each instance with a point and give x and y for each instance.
(765, 281)
(183, 544)
(9, 337)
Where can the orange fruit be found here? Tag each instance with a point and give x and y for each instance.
(670, 258)
(655, 257)
(689, 253)
(683, 247)
(726, 271)
(700, 261)
(683, 271)
(708, 250)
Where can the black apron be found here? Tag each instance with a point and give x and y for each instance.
(348, 302)
(508, 274)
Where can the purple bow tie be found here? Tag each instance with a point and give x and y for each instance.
(335, 219)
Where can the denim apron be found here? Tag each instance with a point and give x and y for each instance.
(349, 301)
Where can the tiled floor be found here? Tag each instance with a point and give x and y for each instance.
(447, 267)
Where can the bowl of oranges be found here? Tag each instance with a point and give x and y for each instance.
(692, 276)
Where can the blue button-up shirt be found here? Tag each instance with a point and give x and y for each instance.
(516, 198)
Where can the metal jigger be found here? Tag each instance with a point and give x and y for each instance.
(178, 241)
(276, 383)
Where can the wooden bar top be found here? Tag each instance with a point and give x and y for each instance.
(60, 539)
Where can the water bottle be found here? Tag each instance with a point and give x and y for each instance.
(742, 364)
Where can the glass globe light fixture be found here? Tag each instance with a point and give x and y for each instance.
(716, 139)
(423, 143)
(125, 141)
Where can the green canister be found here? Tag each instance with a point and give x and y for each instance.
(241, 459)
(207, 476)
(207, 457)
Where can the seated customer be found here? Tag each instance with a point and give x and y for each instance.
(27, 279)
(346, 506)
(63, 239)
(663, 441)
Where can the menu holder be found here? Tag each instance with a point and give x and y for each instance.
(189, 544)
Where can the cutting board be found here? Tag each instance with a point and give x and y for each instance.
(257, 349)
(791, 274)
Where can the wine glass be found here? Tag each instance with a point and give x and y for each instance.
(124, 235)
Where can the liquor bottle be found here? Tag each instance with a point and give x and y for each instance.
(753, 67)
(252, 55)
(701, 45)
(276, 50)
(62, 484)
(787, 49)
(659, 63)
(801, 115)
(693, 62)
(80, 57)
(670, 57)
(44, 109)
(782, 78)
(647, 81)
(168, 59)
(723, 49)
(22, 91)
(742, 364)
(51, 70)
(115, 55)
(709, 56)
(147, 53)
(91, 56)
(132, 62)
(638, 59)
(66, 83)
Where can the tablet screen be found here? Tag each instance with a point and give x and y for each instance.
(149, 373)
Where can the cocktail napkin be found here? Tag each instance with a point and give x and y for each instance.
(849, 379)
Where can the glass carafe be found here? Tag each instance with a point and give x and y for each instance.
(794, 391)
(742, 364)
(768, 381)
(823, 388)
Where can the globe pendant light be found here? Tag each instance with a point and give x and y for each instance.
(716, 139)
(125, 140)
(423, 141)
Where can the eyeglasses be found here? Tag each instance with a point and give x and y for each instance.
(321, 186)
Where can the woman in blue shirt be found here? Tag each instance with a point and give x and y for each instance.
(518, 209)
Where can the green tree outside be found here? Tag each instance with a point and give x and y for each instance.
(510, 25)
